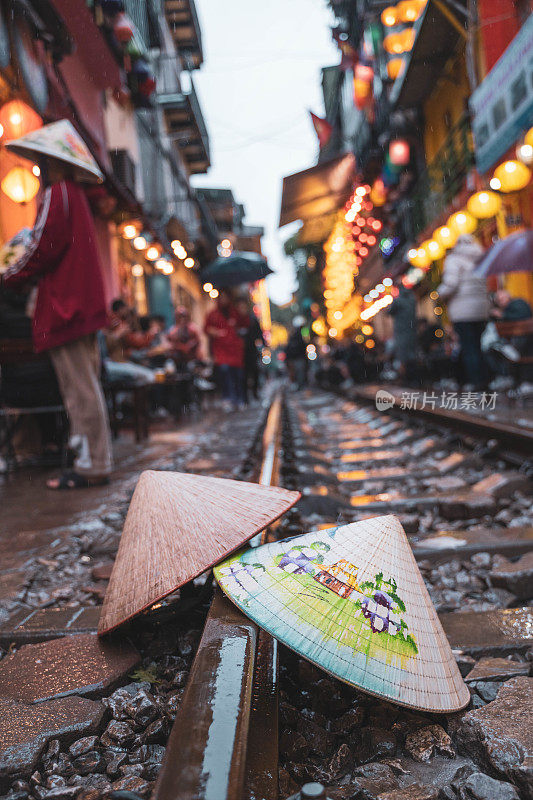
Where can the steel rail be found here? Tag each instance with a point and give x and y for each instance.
(224, 742)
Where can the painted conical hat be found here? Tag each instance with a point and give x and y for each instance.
(352, 600)
(179, 525)
(62, 141)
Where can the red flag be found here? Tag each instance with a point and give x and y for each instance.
(323, 129)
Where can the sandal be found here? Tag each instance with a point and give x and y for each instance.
(73, 480)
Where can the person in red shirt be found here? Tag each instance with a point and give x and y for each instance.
(222, 326)
(63, 259)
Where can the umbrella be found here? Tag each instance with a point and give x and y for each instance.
(235, 269)
(59, 140)
(178, 526)
(512, 254)
(352, 601)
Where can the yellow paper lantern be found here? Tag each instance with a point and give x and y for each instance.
(389, 16)
(418, 257)
(409, 10)
(394, 68)
(484, 205)
(513, 176)
(393, 43)
(408, 39)
(445, 236)
(20, 185)
(462, 222)
(433, 249)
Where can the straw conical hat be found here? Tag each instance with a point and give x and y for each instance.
(59, 140)
(178, 526)
(352, 600)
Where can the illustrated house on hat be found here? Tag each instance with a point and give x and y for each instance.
(352, 600)
(178, 526)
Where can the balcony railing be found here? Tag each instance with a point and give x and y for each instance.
(182, 20)
(186, 125)
(443, 178)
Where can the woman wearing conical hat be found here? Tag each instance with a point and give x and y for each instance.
(62, 258)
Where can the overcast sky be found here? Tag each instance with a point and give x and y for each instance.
(260, 75)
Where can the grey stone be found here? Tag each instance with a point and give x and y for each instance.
(481, 787)
(487, 690)
(120, 733)
(416, 791)
(89, 762)
(25, 730)
(424, 742)
(499, 736)
(83, 746)
(132, 783)
(514, 576)
(497, 669)
(372, 779)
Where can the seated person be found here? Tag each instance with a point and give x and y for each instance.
(184, 339)
(118, 344)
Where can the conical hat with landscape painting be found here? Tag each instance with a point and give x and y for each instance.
(61, 141)
(352, 601)
(179, 525)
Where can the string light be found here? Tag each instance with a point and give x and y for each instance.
(207, 287)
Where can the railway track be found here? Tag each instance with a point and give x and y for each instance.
(254, 721)
(349, 461)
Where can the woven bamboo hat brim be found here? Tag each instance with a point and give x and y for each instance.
(352, 601)
(179, 525)
(62, 142)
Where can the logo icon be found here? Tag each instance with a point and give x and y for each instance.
(384, 400)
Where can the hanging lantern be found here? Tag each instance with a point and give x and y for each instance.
(394, 68)
(408, 39)
(130, 230)
(524, 152)
(462, 222)
(20, 185)
(513, 176)
(445, 236)
(389, 16)
(393, 43)
(399, 152)
(362, 84)
(123, 28)
(433, 249)
(419, 258)
(484, 205)
(153, 252)
(378, 194)
(18, 119)
(408, 10)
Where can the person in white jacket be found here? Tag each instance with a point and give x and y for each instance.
(468, 305)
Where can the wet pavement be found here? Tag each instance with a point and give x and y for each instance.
(57, 551)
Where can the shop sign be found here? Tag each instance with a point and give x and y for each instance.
(502, 105)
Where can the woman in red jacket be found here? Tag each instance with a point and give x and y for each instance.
(222, 326)
(63, 259)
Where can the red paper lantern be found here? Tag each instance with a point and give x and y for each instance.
(17, 119)
(123, 28)
(399, 153)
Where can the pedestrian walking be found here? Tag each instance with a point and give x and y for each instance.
(468, 305)
(63, 258)
(296, 354)
(227, 348)
(403, 313)
(253, 341)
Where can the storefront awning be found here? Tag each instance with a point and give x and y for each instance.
(318, 190)
(438, 34)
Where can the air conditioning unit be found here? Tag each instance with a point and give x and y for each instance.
(124, 168)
